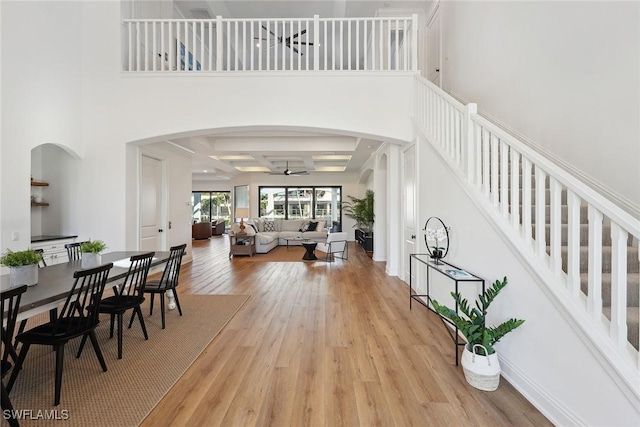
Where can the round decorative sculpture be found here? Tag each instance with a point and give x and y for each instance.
(436, 238)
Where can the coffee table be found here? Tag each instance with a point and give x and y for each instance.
(294, 239)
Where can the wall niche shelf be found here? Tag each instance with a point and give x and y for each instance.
(38, 184)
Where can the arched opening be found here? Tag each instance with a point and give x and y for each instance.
(54, 191)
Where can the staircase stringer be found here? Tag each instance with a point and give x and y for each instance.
(617, 365)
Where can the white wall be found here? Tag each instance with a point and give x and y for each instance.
(563, 74)
(545, 358)
(41, 102)
(68, 88)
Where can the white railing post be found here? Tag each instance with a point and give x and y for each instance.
(316, 42)
(619, 285)
(469, 144)
(555, 227)
(594, 299)
(219, 44)
(573, 243)
(414, 42)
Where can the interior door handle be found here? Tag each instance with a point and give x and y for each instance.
(160, 230)
(413, 236)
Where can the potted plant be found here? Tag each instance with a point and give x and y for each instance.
(361, 209)
(479, 360)
(23, 266)
(91, 250)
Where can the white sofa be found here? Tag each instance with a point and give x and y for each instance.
(267, 239)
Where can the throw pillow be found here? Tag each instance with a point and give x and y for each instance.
(305, 227)
(312, 226)
(269, 226)
(254, 228)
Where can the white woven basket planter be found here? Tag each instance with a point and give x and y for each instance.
(481, 372)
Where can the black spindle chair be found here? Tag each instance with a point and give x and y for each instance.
(167, 282)
(78, 317)
(9, 305)
(128, 296)
(73, 251)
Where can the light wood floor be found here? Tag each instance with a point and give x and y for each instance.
(322, 344)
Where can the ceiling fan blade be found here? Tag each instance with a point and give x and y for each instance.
(303, 43)
(274, 34)
(295, 36)
(299, 173)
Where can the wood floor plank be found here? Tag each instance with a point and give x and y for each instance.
(325, 344)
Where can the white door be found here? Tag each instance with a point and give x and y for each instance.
(433, 48)
(151, 214)
(409, 212)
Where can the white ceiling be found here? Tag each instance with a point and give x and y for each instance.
(224, 155)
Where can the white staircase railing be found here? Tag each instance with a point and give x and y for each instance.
(546, 208)
(311, 44)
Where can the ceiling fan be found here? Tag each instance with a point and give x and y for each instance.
(287, 41)
(288, 172)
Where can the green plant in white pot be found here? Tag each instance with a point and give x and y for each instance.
(479, 360)
(23, 266)
(91, 250)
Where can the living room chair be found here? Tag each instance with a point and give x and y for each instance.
(128, 296)
(78, 317)
(168, 282)
(336, 244)
(9, 303)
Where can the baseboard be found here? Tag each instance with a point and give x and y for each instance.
(551, 408)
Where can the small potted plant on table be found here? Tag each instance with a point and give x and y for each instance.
(23, 266)
(91, 250)
(479, 360)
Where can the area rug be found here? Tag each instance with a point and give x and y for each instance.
(279, 254)
(132, 386)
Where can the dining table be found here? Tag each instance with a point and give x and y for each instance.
(55, 281)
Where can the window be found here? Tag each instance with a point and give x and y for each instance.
(211, 205)
(302, 203)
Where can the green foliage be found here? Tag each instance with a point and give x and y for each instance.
(20, 259)
(361, 210)
(93, 246)
(473, 326)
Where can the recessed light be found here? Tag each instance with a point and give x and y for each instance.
(205, 171)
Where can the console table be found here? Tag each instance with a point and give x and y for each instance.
(242, 245)
(450, 271)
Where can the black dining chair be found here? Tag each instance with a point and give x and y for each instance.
(42, 262)
(9, 304)
(128, 296)
(73, 251)
(167, 282)
(78, 317)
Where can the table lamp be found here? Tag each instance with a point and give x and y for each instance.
(242, 213)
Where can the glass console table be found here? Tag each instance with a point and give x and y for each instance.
(450, 271)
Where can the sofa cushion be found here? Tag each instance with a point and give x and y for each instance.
(312, 226)
(266, 238)
(315, 235)
(305, 226)
(269, 226)
(291, 225)
(321, 224)
(284, 234)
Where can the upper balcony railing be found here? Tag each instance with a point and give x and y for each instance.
(223, 45)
